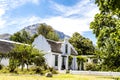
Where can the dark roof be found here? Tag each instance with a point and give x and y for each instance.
(55, 46)
(5, 46)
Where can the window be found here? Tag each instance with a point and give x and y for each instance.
(66, 48)
(56, 60)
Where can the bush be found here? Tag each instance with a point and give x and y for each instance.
(37, 69)
(93, 67)
(53, 70)
(1, 66)
(5, 70)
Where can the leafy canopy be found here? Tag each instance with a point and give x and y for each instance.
(106, 27)
(83, 45)
(22, 36)
(48, 32)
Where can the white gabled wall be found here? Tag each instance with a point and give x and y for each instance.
(63, 47)
(49, 59)
(5, 61)
(41, 44)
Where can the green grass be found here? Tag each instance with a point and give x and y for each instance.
(55, 77)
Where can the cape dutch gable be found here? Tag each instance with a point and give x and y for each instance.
(57, 53)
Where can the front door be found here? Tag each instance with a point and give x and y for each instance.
(63, 62)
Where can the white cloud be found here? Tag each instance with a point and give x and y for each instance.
(9, 4)
(23, 22)
(73, 18)
(2, 22)
(2, 11)
(36, 1)
(67, 25)
(6, 5)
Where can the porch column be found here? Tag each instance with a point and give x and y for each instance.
(76, 65)
(66, 62)
(59, 62)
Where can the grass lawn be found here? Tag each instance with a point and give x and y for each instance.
(55, 77)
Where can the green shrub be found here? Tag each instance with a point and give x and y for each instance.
(5, 70)
(53, 70)
(37, 69)
(1, 66)
(93, 67)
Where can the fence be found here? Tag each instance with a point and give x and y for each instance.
(96, 73)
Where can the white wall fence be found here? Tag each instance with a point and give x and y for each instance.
(96, 73)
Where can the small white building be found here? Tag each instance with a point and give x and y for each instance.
(56, 53)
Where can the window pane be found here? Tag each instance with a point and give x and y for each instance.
(56, 60)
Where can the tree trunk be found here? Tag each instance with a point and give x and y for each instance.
(27, 67)
(22, 66)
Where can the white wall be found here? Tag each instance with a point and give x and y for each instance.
(74, 63)
(41, 44)
(5, 62)
(63, 47)
(49, 59)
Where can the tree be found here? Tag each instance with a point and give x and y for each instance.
(23, 55)
(48, 32)
(20, 55)
(53, 36)
(106, 27)
(37, 57)
(70, 58)
(109, 6)
(23, 37)
(83, 45)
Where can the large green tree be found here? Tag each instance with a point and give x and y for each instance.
(48, 32)
(22, 36)
(106, 27)
(83, 45)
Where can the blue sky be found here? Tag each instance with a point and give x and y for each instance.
(68, 16)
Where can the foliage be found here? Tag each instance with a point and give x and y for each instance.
(23, 37)
(80, 60)
(53, 36)
(37, 57)
(109, 6)
(23, 55)
(1, 66)
(70, 58)
(83, 45)
(52, 70)
(12, 64)
(48, 32)
(106, 27)
(92, 67)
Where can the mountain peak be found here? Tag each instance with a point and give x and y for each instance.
(32, 29)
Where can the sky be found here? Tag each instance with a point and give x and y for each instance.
(68, 16)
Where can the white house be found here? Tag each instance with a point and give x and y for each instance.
(57, 53)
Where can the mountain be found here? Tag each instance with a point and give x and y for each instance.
(5, 36)
(32, 29)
